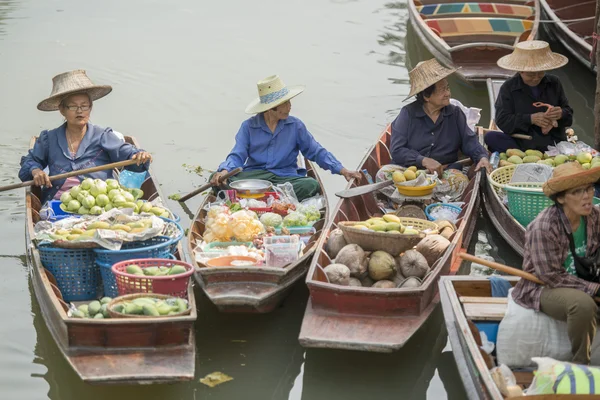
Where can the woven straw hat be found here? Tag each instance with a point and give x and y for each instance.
(569, 176)
(425, 74)
(69, 83)
(271, 93)
(532, 56)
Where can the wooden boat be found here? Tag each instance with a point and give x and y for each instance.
(575, 36)
(112, 351)
(474, 36)
(467, 299)
(250, 289)
(373, 319)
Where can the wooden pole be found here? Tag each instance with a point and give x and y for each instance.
(595, 59)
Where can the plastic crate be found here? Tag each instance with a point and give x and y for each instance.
(55, 213)
(173, 285)
(456, 210)
(77, 275)
(156, 247)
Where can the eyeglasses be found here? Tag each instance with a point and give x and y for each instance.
(579, 192)
(444, 89)
(77, 108)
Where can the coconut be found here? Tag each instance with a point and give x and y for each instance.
(410, 282)
(384, 284)
(367, 281)
(413, 263)
(354, 282)
(353, 257)
(432, 247)
(338, 274)
(381, 265)
(335, 243)
(398, 278)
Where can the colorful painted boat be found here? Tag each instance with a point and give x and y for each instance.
(112, 351)
(572, 25)
(474, 36)
(250, 289)
(373, 319)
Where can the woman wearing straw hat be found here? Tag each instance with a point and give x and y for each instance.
(430, 131)
(562, 249)
(523, 100)
(267, 144)
(76, 144)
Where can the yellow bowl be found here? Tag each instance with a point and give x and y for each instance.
(416, 191)
(249, 196)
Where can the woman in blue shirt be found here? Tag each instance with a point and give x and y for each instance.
(267, 144)
(430, 131)
(76, 144)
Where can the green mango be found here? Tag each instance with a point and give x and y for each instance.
(177, 269)
(141, 301)
(99, 316)
(157, 211)
(94, 307)
(104, 310)
(133, 308)
(150, 310)
(151, 271)
(105, 300)
(181, 305)
(84, 308)
(119, 308)
(134, 269)
(164, 309)
(78, 314)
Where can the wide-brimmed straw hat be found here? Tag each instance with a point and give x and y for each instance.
(425, 74)
(570, 175)
(532, 56)
(69, 83)
(271, 93)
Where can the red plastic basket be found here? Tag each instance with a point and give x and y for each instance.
(173, 285)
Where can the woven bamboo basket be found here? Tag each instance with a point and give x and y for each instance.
(129, 297)
(390, 243)
(501, 176)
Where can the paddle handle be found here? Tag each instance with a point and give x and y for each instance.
(209, 185)
(73, 173)
(507, 269)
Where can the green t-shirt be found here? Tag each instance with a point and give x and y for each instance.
(579, 237)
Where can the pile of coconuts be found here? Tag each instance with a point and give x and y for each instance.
(352, 266)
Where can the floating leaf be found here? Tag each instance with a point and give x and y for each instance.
(175, 197)
(215, 378)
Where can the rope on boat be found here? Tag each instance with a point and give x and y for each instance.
(566, 21)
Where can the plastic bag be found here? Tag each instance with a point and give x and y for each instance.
(559, 377)
(132, 180)
(317, 201)
(451, 187)
(471, 113)
(531, 173)
(568, 149)
(286, 193)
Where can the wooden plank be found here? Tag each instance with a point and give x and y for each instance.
(487, 300)
(485, 312)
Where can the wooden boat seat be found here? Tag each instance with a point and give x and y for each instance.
(477, 26)
(474, 9)
(484, 308)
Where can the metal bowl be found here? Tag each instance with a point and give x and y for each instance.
(250, 187)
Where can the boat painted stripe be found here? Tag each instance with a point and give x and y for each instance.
(430, 9)
(487, 8)
(450, 8)
(499, 25)
(464, 26)
(504, 9)
(476, 8)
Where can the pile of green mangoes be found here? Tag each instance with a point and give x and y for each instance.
(155, 270)
(516, 156)
(88, 232)
(388, 223)
(151, 306)
(95, 196)
(96, 309)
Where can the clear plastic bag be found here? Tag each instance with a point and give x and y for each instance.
(286, 193)
(318, 201)
(558, 377)
(132, 180)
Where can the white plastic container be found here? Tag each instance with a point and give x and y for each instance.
(281, 250)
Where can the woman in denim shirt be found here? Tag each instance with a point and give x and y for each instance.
(76, 144)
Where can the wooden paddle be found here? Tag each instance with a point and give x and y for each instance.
(507, 269)
(209, 185)
(73, 173)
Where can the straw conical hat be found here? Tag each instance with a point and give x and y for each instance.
(69, 83)
(425, 74)
(569, 176)
(271, 93)
(532, 56)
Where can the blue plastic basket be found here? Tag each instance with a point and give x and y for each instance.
(55, 213)
(430, 208)
(77, 275)
(175, 232)
(156, 247)
(108, 280)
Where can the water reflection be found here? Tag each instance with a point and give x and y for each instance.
(6, 8)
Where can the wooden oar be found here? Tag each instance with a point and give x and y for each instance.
(73, 173)
(208, 185)
(507, 269)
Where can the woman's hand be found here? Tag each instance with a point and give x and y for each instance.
(142, 157)
(484, 163)
(554, 113)
(351, 174)
(217, 178)
(40, 178)
(541, 119)
(433, 166)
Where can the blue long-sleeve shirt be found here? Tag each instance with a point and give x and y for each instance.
(415, 136)
(257, 148)
(99, 146)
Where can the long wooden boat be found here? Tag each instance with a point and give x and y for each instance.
(373, 319)
(468, 299)
(112, 351)
(572, 25)
(250, 289)
(474, 36)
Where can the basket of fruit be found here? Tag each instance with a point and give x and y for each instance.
(413, 183)
(153, 275)
(156, 247)
(388, 233)
(144, 305)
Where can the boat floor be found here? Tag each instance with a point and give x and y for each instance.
(482, 72)
(360, 332)
(137, 366)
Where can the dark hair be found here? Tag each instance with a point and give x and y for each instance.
(554, 197)
(63, 101)
(427, 92)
